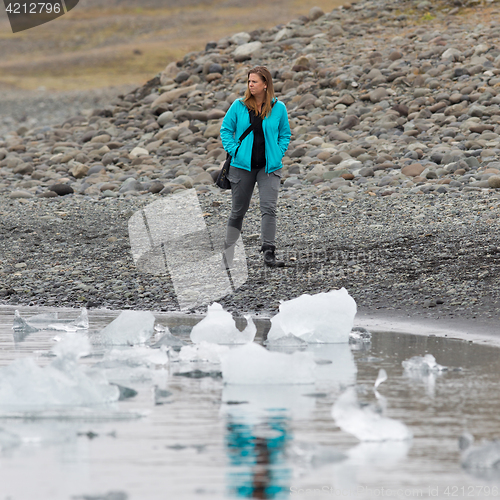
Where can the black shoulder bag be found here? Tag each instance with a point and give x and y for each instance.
(222, 180)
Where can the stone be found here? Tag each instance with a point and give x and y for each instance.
(182, 76)
(101, 138)
(79, 171)
(337, 135)
(451, 53)
(412, 170)
(94, 169)
(349, 122)
(165, 118)
(156, 187)
(61, 189)
(212, 130)
(315, 13)
(247, 49)
(494, 181)
(137, 151)
(367, 172)
(215, 114)
(172, 95)
(131, 184)
(378, 94)
(20, 194)
(240, 38)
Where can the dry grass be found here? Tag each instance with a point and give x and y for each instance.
(92, 48)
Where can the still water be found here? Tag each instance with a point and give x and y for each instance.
(188, 438)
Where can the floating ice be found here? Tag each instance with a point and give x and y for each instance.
(360, 335)
(367, 422)
(138, 364)
(130, 328)
(424, 370)
(167, 339)
(324, 317)
(50, 321)
(72, 347)
(423, 364)
(25, 385)
(138, 356)
(8, 440)
(481, 461)
(254, 364)
(204, 351)
(218, 327)
(286, 341)
(161, 396)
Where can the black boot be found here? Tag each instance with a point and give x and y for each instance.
(270, 257)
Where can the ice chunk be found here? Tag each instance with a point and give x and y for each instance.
(25, 385)
(324, 317)
(8, 440)
(425, 370)
(51, 321)
(367, 422)
(286, 341)
(423, 364)
(138, 364)
(482, 460)
(204, 351)
(20, 324)
(254, 364)
(138, 356)
(129, 328)
(382, 377)
(218, 327)
(161, 396)
(168, 340)
(73, 346)
(360, 335)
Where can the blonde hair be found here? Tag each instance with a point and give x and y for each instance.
(249, 99)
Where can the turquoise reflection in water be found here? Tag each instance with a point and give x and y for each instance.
(256, 453)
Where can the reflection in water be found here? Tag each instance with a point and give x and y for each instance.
(256, 456)
(253, 402)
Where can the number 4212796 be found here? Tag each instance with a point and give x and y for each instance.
(34, 8)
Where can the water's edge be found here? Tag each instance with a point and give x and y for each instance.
(473, 330)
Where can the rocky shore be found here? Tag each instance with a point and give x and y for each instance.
(391, 184)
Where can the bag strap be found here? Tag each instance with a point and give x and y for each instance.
(243, 135)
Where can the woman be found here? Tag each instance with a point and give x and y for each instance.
(256, 159)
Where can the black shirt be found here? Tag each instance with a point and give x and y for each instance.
(259, 142)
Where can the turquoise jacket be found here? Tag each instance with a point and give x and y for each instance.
(276, 134)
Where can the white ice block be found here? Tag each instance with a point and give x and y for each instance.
(218, 327)
(324, 317)
(204, 351)
(130, 328)
(366, 422)
(25, 385)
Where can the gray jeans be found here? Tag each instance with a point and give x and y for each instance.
(242, 186)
